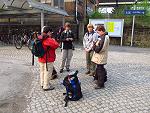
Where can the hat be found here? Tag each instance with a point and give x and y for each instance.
(46, 29)
(90, 25)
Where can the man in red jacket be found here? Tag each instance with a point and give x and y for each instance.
(52, 44)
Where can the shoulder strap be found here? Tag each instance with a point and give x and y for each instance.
(32, 59)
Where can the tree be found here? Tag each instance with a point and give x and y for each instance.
(141, 20)
(96, 15)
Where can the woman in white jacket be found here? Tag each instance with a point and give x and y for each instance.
(89, 39)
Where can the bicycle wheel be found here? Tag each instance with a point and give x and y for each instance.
(18, 43)
(29, 44)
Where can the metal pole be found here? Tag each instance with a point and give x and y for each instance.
(77, 11)
(86, 12)
(52, 2)
(132, 36)
(59, 6)
(13, 40)
(42, 20)
(63, 20)
(133, 25)
(122, 34)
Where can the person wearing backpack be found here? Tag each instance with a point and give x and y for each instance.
(89, 39)
(100, 57)
(67, 38)
(46, 61)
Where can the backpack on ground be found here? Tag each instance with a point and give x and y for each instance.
(38, 50)
(73, 88)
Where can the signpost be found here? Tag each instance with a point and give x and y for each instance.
(134, 12)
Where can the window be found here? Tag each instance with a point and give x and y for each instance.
(59, 3)
(46, 1)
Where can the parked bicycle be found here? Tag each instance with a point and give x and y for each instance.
(25, 40)
(6, 39)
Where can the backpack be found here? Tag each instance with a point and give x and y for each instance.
(38, 50)
(73, 88)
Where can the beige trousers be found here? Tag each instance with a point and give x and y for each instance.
(66, 58)
(45, 75)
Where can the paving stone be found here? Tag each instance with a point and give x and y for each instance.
(127, 89)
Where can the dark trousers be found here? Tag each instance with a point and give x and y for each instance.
(101, 75)
(54, 71)
(54, 74)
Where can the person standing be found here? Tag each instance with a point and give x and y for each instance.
(46, 62)
(100, 57)
(88, 41)
(67, 38)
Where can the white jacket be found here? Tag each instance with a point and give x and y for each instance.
(89, 40)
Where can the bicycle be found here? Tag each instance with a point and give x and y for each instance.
(26, 40)
(6, 39)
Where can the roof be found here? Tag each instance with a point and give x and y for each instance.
(13, 7)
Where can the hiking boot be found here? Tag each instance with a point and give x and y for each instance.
(68, 69)
(95, 81)
(61, 71)
(54, 77)
(99, 87)
(105, 79)
(50, 88)
(88, 72)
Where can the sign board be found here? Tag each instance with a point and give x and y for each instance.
(114, 27)
(134, 12)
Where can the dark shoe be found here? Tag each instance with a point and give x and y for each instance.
(73, 48)
(50, 88)
(42, 87)
(54, 77)
(61, 71)
(88, 72)
(68, 69)
(105, 79)
(99, 87)
(95, 81)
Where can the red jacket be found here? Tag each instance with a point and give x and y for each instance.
(51, 56)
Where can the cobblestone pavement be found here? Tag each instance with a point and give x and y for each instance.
(127, 89)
